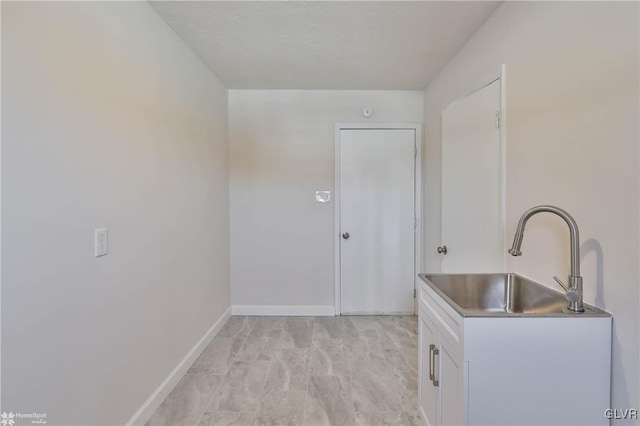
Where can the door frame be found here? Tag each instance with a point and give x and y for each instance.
(417, 185)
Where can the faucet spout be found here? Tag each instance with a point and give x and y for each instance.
(575, 280)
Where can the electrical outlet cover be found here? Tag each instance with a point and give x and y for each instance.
(323, 196)
(101, 242)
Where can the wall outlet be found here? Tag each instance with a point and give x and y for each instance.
(323, 196)
(101, 242)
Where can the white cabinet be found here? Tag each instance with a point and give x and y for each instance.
(511, 370)
(450, 382)
(429, 393)
(440, 392)
(441, 367)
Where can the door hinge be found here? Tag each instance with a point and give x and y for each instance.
(414, 293)
(415, 151)
(497, 119)
(415, 223)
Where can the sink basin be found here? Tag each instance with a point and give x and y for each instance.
(503, 294)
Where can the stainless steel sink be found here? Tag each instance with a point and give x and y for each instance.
(501, 295)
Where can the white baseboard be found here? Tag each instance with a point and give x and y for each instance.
(150, 406)
(284, 310)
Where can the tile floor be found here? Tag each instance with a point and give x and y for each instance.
(352, 370)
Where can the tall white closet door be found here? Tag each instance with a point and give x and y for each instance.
(377, 208)
(472, 212)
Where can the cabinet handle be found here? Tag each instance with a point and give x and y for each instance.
(436, 352)
(431, 349)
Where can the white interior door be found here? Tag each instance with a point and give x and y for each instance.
(377, 208)
(472, 190)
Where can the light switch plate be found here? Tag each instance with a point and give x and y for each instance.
(323, 196)
(101, 242)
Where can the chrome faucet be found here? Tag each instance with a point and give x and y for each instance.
(574, 289)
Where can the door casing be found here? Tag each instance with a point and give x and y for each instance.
(418, 240)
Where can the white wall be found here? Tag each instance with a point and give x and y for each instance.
(108, 121)
(572, 141)
(282, 151)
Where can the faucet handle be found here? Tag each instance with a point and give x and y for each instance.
(572, 294)
(561, 283)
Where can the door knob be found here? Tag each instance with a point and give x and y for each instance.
(345, 235)
(442, 250)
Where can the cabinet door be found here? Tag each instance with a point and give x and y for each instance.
(450, 383)
(428, 393)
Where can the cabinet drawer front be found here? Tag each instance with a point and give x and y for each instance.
(442, 314)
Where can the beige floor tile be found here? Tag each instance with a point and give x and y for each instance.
(303, 371)
(186, 403)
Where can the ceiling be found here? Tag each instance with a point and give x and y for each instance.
(399, 45)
